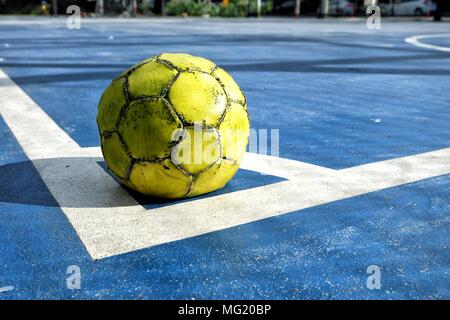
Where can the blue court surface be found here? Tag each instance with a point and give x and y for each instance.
(363, 177)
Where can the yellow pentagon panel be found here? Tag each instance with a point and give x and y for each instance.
(214, 178)
(137, 65)
(231, 87)
(149, 79)
(198, 96)
(115, 155)
(111, 102)
(185, 61)
(234, 131)
(199, 149)
(147, 128)
(160, 179)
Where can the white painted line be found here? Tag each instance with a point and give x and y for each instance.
(264, 164)
(280, 167)
(107, 219)
(394, 172)
(110, 222)
(415, 41)
(39, 136)
(224, 211)
(6, 289)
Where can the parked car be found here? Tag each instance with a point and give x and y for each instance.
(340, 8)
(407, 7)
(284, 7)
(335, 7)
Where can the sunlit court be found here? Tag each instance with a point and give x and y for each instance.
(338, 186)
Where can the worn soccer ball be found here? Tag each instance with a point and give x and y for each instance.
(173, 126)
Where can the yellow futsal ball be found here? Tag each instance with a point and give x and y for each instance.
(173, 126)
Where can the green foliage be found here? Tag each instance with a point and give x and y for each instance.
(187, 7)
(175, 7)
(195, 8)
(235, 8)
(267, 7)
(214, 10)
(146, 8)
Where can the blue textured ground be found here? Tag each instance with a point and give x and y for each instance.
(340, 95)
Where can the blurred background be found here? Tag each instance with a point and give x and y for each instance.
(229, 8)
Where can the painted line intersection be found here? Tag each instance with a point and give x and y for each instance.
(110, 222)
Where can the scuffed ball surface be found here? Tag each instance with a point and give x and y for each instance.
(167, 96)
